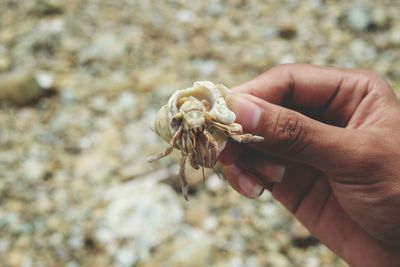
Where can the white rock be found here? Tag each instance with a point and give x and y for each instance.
(358, 18)
(394, 36)
(140, 215)
(5, 62)
(185, 16)
(362, 51)
(105, 47)
(126, 256)
(287, 59)
(99, 103)
(54, 25)
(206, 67)
(192, 248)
(235, 262)
(72, 264)
(277, 259)
(272, 214)
(33, 169)
(312, 261)
(125, 102)
(299, 231)
(214, 183)
(44, 80)
(253, 261)
(210, 223)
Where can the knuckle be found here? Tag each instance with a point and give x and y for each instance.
(366, 74)
(290, 132)
(284, 70)
(279, 68)
(373, 79)
(369, 74)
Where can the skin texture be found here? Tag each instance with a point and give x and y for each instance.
(330, 155)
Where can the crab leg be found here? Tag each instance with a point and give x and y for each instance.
(236, 134)
(212, 147)
(169, 149)
(183, 177)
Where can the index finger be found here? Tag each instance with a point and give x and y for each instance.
(299, 84)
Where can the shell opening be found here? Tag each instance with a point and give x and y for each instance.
(199, 92)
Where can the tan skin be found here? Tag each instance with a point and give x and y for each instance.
(333, 135)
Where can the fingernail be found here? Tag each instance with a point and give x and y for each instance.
(249, 186)
(272, 171)
(248, 113)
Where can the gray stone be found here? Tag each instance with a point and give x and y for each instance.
(395, 35)
(5, 62)
(358, 18)
(380, 18)
(33, 169)
(299, 231)
(277, 259)
(48, 7)
(105, 47)
(19, 87)
(191, 249)
(362, 51)
(206, 67)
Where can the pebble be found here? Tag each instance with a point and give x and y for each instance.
(68, 97)
(97, 163)
(271, 212)
(45, 80)
(277, 259)
(394, 36)
(299, 231)
(192, 248)
(380, 19)
(210, 223)
(312, 262)
(214, 183)
(126, 102)
(287, 59)
(99, 103)
(68, 162)
(142, 214)
(48, 7)
(33, 170)
(270, 32)
(5, 63)
(206, 67)
(185, 16)
(106, 47)
(19, 87)
(358, 18)
(362, 51)
(287, 29)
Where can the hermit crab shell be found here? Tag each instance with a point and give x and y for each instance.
(202, 90)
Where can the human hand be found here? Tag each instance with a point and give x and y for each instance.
(332, 137)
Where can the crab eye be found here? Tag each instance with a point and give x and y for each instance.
(177, 120)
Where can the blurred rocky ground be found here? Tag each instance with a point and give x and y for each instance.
(81, 79)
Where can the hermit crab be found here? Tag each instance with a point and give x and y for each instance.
(198, 122)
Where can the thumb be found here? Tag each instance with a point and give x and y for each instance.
(291, 135)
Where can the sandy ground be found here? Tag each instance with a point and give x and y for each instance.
(79, 83)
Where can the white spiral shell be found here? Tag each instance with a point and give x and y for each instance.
(202, 90)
